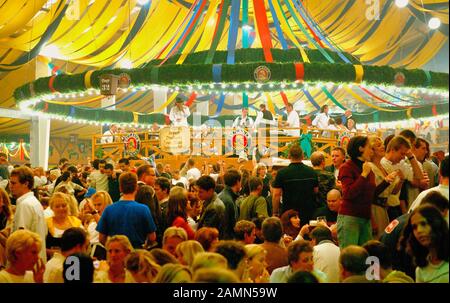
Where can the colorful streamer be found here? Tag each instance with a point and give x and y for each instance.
(234, 26)
(263, 29)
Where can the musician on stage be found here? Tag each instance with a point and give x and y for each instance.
(243, 121)
(179, 113)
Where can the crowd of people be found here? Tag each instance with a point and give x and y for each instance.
(132, 221)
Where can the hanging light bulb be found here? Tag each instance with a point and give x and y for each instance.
(126, 63)
(401, 3)
(434, 23)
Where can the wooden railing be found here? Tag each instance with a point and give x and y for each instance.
(323, 140)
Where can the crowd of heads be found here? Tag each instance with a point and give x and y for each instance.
(199, 235)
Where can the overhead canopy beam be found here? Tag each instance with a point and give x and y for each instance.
(14, 113)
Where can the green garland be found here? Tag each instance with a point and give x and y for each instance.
(125, 117)
(256, 55)
(189, 74)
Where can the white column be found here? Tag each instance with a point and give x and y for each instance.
(39, 141)
(237, 100)
(159, 98)
(108, 101)
(203, 108)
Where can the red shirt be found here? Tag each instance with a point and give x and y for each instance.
(357, 192)
(181, 222)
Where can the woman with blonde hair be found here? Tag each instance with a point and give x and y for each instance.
(142, 266)
(24, 264)
(6, 222)
(73, 204)
(61, 221)
(174, 273)
(261, 171)
(172, 237)
(118, 248)
(92, 211)
(215, 275)
(186, 251)
(388, 185)
(209, 260)
(256, 255)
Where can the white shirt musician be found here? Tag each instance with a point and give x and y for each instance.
(243, 121)
(179, 113)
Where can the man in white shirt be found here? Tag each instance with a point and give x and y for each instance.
(243, 121)
(179, 113)
(326, 253)
(293, 120)
(300, 258)
(191, 172)
(29, 211)
(98, 179)
(73, 240)
(442, 187)
(108, 136)
(322, 118)
(176, 178)
(394, 160)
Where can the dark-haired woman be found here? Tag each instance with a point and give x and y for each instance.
(358, 192)
(177, 210)
(291, 223)
(428, 243)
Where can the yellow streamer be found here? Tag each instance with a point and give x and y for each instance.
(270, 105)
(87, 78)
(162, 107)
(408, 113)
(359, 71)
(198, 32)
(135, 117)
(357, 97)
(288, 32)
(76, 102)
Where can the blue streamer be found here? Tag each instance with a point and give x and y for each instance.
(234, 26)
(217, 73)
(28, 56)
(313, 26)
(245, 21)
(283, 41)
(194, 13)
(220, 105)
(71, 111)
(310, 98)
(393, 96)
(117, 103)
(311, 39)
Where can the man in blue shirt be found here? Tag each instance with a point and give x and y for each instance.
(127, 217)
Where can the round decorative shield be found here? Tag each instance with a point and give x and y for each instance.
(344, 138)
(124, 80)
(262, 74)
(240, 140)
(132, 145)
(399, 79)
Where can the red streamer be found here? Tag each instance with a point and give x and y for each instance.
(170, 41)
(433, 110)
(263, 29)
(191, 99)
(21, 152)
(50, 84)
(285, 99)
(180, 43)
(299, 71)
(382, 100)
